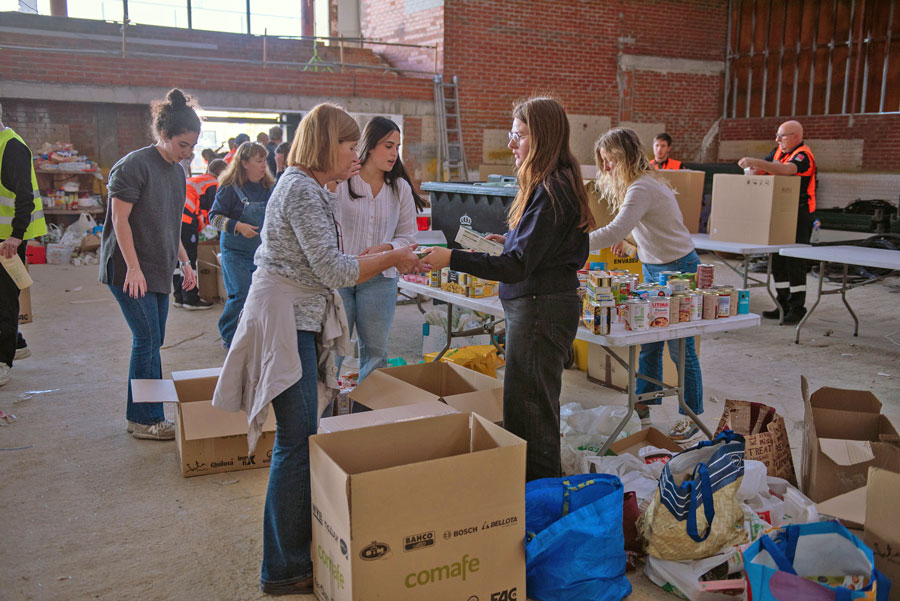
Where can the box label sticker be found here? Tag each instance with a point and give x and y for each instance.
(418, 541)
(375, 550)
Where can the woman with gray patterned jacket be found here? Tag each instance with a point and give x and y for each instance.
(300, 265)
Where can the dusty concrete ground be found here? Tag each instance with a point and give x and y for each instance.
(88, 512)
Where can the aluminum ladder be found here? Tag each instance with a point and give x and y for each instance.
(451, 153)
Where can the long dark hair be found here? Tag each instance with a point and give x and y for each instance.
(376, 130)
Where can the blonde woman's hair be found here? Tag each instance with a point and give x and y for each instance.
(624, 147)
(319, 136)
(236, 175)
(549, 162)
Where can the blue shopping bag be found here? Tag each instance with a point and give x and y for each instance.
(575, 547)
(821, 561)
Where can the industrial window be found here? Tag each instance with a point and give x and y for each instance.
(812, 57)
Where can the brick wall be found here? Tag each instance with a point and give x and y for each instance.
(39, 122)
(404, 22)
(505, 50)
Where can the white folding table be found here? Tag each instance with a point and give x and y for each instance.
(619, 336)
(846, 256)
(746, 249)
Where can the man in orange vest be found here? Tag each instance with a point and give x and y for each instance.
(662, 146)
(791, 156)
(200, 193)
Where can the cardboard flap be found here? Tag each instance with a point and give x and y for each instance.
(381, 390)
(849, 508)
(196, 384)
(383, 416)
(487, 435)
(861, 401)
(486, 403)
(200, 419)
(880, 514)
(847, 452)
(153, 391)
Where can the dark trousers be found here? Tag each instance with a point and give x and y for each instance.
(9, 313)
(540, 330)
(790, 273)
(189, 241)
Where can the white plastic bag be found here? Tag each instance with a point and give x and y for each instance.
(683, 577)
(603, 420)
(636, 475)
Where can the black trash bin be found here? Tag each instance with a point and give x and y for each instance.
(482, 206)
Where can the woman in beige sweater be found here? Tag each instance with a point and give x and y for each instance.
(645, 207)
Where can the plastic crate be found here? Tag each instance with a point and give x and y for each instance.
(479, 205)
(838, 219)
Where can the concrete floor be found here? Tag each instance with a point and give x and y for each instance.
(88, 512)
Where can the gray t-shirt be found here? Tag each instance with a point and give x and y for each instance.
(156, 190)
(300, 241)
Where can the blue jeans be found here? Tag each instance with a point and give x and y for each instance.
(650, 362)
(287, 526)
(540, 330)
(146, 316)
(237, 272)
(370, 307)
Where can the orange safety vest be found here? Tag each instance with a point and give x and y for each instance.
(811, 172)
(197, 187)
(670, 164)
(228, 157)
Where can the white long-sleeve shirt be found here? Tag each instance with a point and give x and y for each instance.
(650, 212)
(388, 218)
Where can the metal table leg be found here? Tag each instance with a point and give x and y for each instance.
(746, 268)
(632, 399)
(449, 332)
(816, 304)
(846, 304)
(769, 289)
(682, 348)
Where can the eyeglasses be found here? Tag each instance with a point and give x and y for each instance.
(779, 136)
(516, 137)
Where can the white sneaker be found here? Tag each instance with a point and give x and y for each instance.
(4, 373)
(163, 430)
(22, 353)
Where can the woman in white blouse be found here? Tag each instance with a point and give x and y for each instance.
(376, 211)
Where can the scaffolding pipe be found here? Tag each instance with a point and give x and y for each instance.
(797, 64)
(830, 57)
(781, 61)
(727, 61)
(849, 55)
(750, 58)
(765, 82)
(862, 17)
(887, 55)
(812, 62)
(865, 78)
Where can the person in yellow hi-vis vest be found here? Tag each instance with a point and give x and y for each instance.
(21, 218)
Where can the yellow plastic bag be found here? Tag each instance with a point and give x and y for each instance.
(482, 358)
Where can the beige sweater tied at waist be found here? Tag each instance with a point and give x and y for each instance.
(263, 360)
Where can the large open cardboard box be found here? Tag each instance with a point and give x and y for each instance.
(754, 209)
(648, 437)
(845, 434)
(351, 421)
(688, 187)
(461, 388)
(871, 509)
(208, 440)
(432, 508)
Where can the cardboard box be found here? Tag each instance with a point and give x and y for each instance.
(755, 209)
(871, 509)
(688, 187)
(25, 315)
(647, 437)
(845, 434)
(461, 388)
(208, 440)
(207, 280)
(604, 370)
(207, 251)
(90, 243)
(351, 421)
(432, 508)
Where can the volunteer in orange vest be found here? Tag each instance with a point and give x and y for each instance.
(200, 193)
(662, 146)
(790, 157)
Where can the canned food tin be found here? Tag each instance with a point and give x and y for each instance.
(691, 278)
(665, 275)
(636, 315)
(696, 306)
(435, 279)
(659, 312)
(684, 308)
(743, 301)
(710, 305)
(724, 309)
(705, 275)
(679, 285)
(733, 308)
(674, 307)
